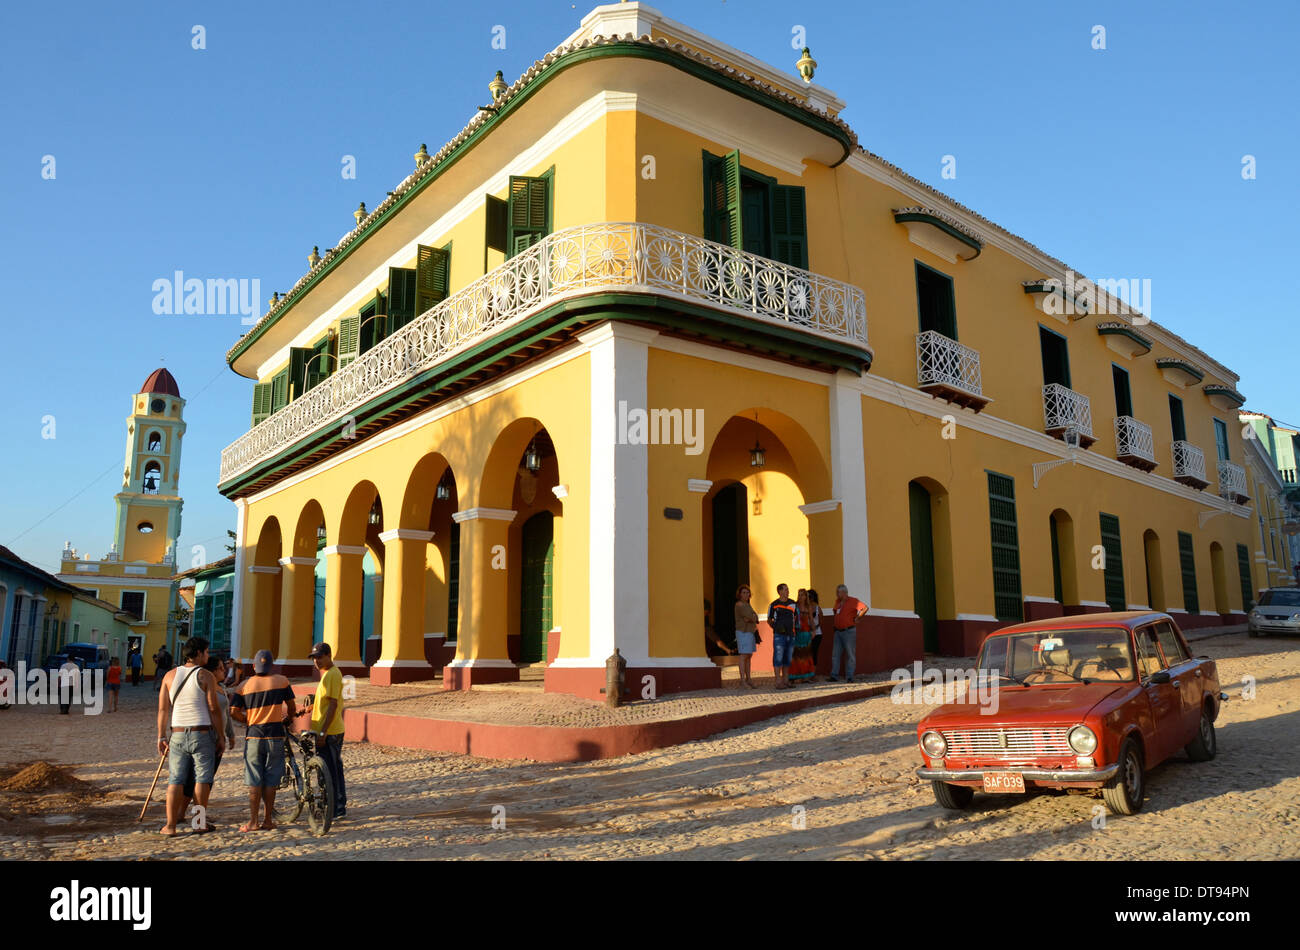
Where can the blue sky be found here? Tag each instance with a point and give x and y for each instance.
(225, 162)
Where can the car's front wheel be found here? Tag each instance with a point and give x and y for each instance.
(1123, 793)
(955, 797)
(1205, 746)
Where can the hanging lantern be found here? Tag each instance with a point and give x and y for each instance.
(376, 516)
(443, 491)
(532, 458)
(758, 454)
(320, 531)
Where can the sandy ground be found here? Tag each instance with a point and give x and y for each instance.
(834, 782)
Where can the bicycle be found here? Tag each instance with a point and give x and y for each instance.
(309, 788)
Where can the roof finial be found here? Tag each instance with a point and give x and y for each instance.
(422, 155)
(314, 258)
(360, 213)
(806, 65)
(497, 86)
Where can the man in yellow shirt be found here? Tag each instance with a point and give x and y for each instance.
(327, 722)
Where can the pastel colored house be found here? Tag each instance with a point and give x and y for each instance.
(656, 324)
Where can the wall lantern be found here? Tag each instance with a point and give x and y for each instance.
(758, 454)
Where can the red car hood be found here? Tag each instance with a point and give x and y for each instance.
(1023, 704)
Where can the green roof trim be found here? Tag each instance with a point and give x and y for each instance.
(926, 217)
(735, 329)
(826, 126)
(1169, 362)
(1121, 329)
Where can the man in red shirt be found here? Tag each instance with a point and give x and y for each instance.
(847, 611)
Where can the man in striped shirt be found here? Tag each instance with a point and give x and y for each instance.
(262, 702)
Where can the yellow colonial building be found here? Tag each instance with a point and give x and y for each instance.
(135, 575)
(654, 324)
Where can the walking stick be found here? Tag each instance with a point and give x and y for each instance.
(161, 759)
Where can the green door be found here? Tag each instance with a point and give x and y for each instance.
(754, 217)
(923, 565)
(1058, 588)
(535, 593)
(730, 556)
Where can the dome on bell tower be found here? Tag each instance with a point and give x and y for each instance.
(161, 382)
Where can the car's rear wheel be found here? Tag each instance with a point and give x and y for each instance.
(956, 797)
(1123, 793)
(1205, 746)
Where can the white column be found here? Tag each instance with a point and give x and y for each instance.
(620, 482)
(849, 481)
(237, 582)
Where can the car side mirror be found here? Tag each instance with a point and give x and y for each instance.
(1159, 676)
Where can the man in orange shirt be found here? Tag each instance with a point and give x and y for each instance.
(847, 611)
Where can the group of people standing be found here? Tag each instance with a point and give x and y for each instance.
(198, 704)
(797, 634)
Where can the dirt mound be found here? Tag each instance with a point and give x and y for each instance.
(41, 777)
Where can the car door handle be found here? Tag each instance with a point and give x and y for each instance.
(1176, 683)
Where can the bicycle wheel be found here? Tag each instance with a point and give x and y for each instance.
(289, 798)
(319, 795)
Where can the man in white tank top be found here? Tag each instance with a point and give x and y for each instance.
(187, 709)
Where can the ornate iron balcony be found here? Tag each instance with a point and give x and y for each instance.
(1065, 411)
(949, 370)
(1232, 482)
(614, 257)
(1134, 444)
(1189, 465)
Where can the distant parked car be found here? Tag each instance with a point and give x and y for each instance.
(87, 656)
(1278, 611)
(1088, 701)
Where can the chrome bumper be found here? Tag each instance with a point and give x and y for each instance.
(1030, 775)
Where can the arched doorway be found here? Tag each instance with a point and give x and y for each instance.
(536, 590)
(1220, 574)
(924, 599)
(728, 512)
(1065, 587)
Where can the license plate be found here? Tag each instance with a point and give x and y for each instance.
(1004, 782)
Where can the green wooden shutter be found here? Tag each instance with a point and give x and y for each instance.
(715, 199)
(349, 340)
(299, 356)
(530, 212)
(261, 402)
(1176, 424)
(1058, 587)
(1114, 570)
(498, 223)
(401, 297)
(790, 225)
(1187, 562)
(734, 232)
(1243, 571)
(219, 641)
(453, 581)
(280, 391)
(1221, 439)
(432, 276)
(1007, 602)
(202, 616)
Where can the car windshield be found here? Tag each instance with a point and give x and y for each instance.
(1060, 655)
(83, 653)
(1280, 598)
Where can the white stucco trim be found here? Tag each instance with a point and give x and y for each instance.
(560, 491)
(264, 569)
(307, 561)
(428, 635)
(403, 663)
(405, 534)
(1138, 607)
(663, 662)
(983, 618)
(1040, 600)
(335, 549)
(699, 485)
(849, 481)
(1094, 603)
(819, 507)
(883, 612)
(483, 514)
(483, 664)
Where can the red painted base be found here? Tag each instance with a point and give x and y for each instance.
(437, 652)
(464, 677)
(964, 637)
(552, 646)
(588, 681)
(1073, 610)
(388, 675)
(1037, 610)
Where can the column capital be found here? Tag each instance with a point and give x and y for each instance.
(264, 569)
(699, 485)
(616, 331)
(405, 534)
(817, 507)
(358, 549)
(483, 514)
(309, 561)
(560, 491)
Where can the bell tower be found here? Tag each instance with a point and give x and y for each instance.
(149, 504)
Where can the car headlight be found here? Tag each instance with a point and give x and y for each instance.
(934, 744)
(1295, 617)
(1254, 614)
(1082, 740)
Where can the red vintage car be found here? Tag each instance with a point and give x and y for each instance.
(1087, 701)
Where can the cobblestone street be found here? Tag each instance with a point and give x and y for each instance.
(845, 771)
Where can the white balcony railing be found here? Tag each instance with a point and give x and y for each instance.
(941, 361)
(1065, 409)
(1232, 480)
(1189, 462)
(616, 256)
(1134, 439)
